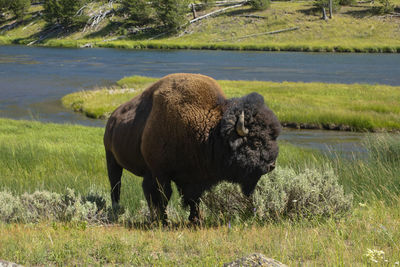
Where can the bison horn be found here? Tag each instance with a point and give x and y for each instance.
(240, 129)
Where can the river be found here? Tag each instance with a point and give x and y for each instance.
(33, 79)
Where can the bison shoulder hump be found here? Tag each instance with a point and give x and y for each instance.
(190, 101)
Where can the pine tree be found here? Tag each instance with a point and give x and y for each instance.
(64, 12)
(171, 13)
(19, 7)
(139, 11)
(4, 7)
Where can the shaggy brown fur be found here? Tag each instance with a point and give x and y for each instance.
(182, 129)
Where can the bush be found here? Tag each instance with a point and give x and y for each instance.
(386, 7)
(10, 207)
(19, 7)
(282, 194)
(49, 206)
(260, 4)
(139, 11)
(171, 13)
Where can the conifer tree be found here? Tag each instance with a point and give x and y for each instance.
(139, 11)
(171, 13)
(19, 7)
(64, 12)
(4, 5)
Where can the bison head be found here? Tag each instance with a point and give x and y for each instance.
(249, 130)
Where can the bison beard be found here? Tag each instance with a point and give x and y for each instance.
(183, 129)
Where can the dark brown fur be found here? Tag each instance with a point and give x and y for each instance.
(182, 129)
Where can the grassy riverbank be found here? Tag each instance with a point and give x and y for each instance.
(357, 107)
(37, 156)
(353, 29)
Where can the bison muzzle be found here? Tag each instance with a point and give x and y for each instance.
(183, 129)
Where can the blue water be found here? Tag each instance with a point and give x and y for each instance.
(33, 79)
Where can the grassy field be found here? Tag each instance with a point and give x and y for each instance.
(357, 107)
(37, 156)
(353, 29)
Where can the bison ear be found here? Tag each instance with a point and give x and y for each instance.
(253, 101)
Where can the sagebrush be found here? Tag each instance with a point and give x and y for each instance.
(283, 194)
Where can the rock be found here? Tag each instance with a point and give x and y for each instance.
(89, 45)
(253, 260)
(8, 264)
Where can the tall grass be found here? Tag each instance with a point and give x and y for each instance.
(44, 156)
(377, 174)
(53, 157)
(36, 156)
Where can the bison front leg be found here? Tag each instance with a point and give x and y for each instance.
(157, 192)
(194, 210)
(191, 197)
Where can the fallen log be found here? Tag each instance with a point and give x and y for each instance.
(217, 3)
(253, 16)
(217, 12)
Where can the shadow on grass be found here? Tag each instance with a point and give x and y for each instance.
(361, 13)
(111, 29)
(48, 32)
(246, 10)
(312, 11)
(12, 23)
(149, 226)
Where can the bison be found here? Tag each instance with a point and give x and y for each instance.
(183, 129)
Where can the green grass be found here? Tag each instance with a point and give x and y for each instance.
(36, 156)
(353, 29)
(53, 157)
(359, 107)
(48, 156)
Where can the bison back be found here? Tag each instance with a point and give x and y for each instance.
(124, 130)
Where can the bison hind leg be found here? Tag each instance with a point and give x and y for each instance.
(114, 175)
(157, 192)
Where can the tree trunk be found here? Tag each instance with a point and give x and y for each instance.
(324, 17)
(330, 9)
(194, 11)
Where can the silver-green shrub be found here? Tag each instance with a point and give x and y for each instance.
(312, 193)
(284, 193)
(10, 207)
(50, 206)
(225, 202)
(308, 194)
(41, 205)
